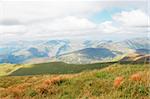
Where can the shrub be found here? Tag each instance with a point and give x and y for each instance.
(54, 81)
(16, 92)
(118, 81)
(136, 77)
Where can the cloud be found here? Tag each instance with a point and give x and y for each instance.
(12, 29)
(43, 20)
(132, 18)
(72, 26)
(9, 22)
(27, 11)
(122, 23)
(69, 26)
(69, 23)
(108, 27)
(134, 22)
(42, 10)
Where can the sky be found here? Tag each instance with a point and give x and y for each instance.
(73, 19)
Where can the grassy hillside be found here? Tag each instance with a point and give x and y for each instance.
(126, 81)
(56, 68)
(64, 68)
(6, 69)
(47, 68)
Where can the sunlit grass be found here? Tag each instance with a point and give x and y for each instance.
(114, 82)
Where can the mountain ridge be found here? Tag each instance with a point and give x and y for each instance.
(23, 52)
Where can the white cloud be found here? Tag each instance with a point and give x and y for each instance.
(36, 20)
(14, 29)
(107, 27)
(132, 22)
(27, 11)
(132, 18)
(68, 23)
(63, 27)
(71, 26)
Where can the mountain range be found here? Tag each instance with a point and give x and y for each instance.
(70, 51)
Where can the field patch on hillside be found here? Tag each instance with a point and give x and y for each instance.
(57, 68)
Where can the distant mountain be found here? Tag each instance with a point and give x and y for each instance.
(72, 51)
(143, 51)
(107, 51)
(138, 43)
(23, 51)
(87, 55)
(128, 46)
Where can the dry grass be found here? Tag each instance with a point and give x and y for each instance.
(114, 82)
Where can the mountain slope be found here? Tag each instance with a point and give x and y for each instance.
(87, 55)
(128, 46)
(28, 51)
(97, 84)
(136, 58)
(55, 68)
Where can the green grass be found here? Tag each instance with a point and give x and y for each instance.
(6, 69)
(94, 84)
(56, 68)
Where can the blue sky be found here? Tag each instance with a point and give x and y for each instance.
(105, 14)
(110, 19)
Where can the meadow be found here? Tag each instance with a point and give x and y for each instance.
(48, 68)
(116, 81)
